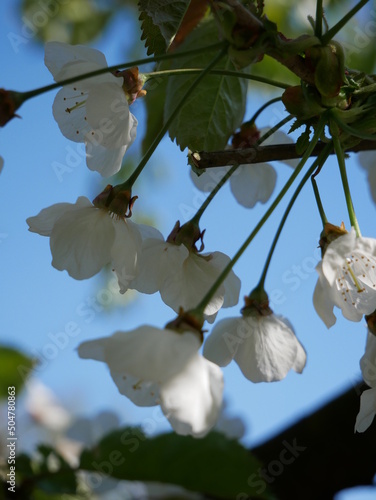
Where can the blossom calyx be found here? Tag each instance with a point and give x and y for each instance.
(133, 83)
(188, 321)
(117, 200)
(329, 234)
(256, 303)
(188, 234)
(9, 102)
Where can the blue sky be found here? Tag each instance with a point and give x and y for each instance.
(39, 302)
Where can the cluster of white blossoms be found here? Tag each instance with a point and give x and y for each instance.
(154, 366)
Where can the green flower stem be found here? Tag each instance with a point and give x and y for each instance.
(324, 220)
(236, 74)
(318, 132)
(132, 179)
(264, 106)
(196, 218)
(319, 16)
(337, 27)
(342, 168)
(137, 62)
(318, 162)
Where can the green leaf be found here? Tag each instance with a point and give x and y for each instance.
(216, 108)
(154, 41)
(215, 464)
(61, 479)
(161, 18)
(14, 369)
(155, 101)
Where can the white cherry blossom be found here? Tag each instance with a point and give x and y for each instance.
(84, 238)
(94, 111)
(250, 183)
(367, 409)
(183, 277)
(264, 347)
(347, 278)
(154, 366)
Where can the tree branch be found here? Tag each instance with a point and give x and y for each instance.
(320, 455)
(261, 154)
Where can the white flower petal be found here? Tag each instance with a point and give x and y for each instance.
(81, 241)
(43, 223)
(221, 345)
(186, 286)
(253, 183)
(58, 54)
(146, 353)
(105, 161)
(269, 350)
(280, 137)
(367, 162)
(125, 251)
(301, 358)
(335, 254)
(367, 410)
(192, 399)
(231, 283)
(322, 300)
(157, 260)
(69, 111)
(78, 68)
(368, 361)
(140, 392)
(108, 115)
(149, 232)
(209, 179)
